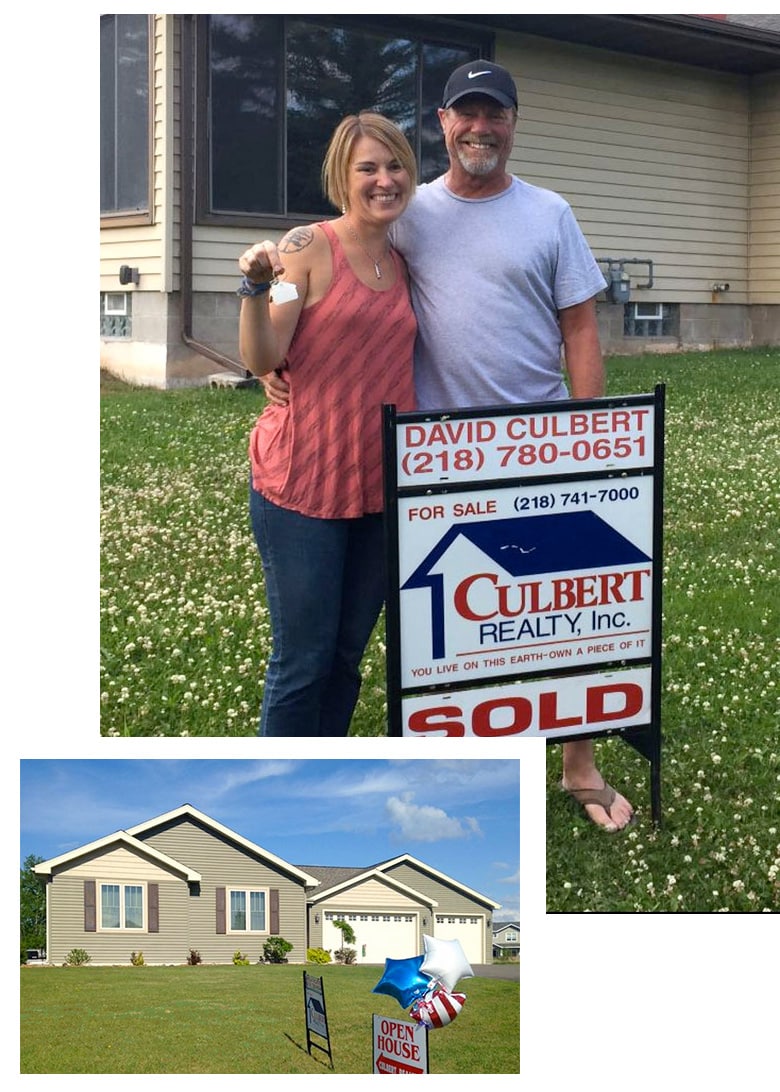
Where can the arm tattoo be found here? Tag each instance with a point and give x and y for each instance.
(296, 240)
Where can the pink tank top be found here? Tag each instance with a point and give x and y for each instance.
(321, 455)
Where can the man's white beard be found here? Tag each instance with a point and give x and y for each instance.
(478, 165)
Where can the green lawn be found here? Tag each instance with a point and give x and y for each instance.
(207, 1019)
(185, 633)
(718, 847)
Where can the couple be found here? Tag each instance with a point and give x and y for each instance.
(500, 276)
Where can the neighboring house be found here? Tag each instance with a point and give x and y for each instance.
(506, 940)
(183, 881)
(662, 131)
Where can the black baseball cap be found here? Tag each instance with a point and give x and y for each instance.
(480, 78)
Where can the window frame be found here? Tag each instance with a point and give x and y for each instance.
(652, 327)
(123, 927)
(120, 311)
(656, 316)
(483, 42)
(230, 890)
(126, 217)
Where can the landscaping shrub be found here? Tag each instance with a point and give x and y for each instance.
(317, 955)
(76, 957)
(275, 950)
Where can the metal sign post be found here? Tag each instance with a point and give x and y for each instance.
(316, 1015)
(524, 549)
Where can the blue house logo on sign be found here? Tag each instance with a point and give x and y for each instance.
(529, 593)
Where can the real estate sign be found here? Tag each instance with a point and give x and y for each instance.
(524, 549)
(399, 1047)
(316, 1014)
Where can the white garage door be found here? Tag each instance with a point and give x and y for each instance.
(469, 929)
(377, 936)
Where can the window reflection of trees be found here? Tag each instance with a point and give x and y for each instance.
(265, 159)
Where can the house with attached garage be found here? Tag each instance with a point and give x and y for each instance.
(506, 940)
(661, 131)
(183, 881)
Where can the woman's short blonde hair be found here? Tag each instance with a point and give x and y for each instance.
(335, 168)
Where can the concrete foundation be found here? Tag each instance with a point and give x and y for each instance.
(157, 355)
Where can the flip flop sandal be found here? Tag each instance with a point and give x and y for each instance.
(604, 797)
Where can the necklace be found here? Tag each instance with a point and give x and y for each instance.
(368, 253)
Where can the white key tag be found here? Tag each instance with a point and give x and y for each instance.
(283, 292)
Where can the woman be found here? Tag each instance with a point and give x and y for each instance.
(343, 346)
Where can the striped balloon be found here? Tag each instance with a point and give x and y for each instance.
(437, 1009)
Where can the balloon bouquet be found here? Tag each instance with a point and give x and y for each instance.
(426, 982)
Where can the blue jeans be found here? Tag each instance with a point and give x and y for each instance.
(325, 586)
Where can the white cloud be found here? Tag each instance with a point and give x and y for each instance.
(426, 823)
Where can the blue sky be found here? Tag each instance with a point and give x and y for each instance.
(461, 816)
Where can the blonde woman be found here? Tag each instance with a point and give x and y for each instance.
(343, 346)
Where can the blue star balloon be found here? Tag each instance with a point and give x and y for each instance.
(403, 981)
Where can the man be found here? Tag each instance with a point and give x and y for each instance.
(501, 278)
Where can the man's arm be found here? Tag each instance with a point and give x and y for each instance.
(584, 362)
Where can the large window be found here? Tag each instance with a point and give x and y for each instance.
(247, 911)
(276, 87)
(124, 114)
(121, 906)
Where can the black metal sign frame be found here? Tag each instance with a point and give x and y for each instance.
(644, 736)
(316, 1014)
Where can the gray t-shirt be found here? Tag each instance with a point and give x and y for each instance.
(488, 279)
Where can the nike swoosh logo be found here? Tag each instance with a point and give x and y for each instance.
(473, 75)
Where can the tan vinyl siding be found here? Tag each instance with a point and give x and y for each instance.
(451, 900)
(370, 896)
(222, 863)
(215, 254)
(65, 912)
(120, 864)
(653, 158)
(765, 192)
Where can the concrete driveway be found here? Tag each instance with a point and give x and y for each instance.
(497, 970)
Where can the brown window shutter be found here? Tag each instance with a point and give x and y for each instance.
(274, 911)
(221, 919)
(90, 907)
(153, 892)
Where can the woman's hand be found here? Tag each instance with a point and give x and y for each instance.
(261, 262)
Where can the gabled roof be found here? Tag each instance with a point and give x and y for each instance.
(406, 858)
(120, 837)
(343, 882)
(331, 876)
(187, 811)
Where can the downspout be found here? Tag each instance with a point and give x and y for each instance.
(186, 136)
